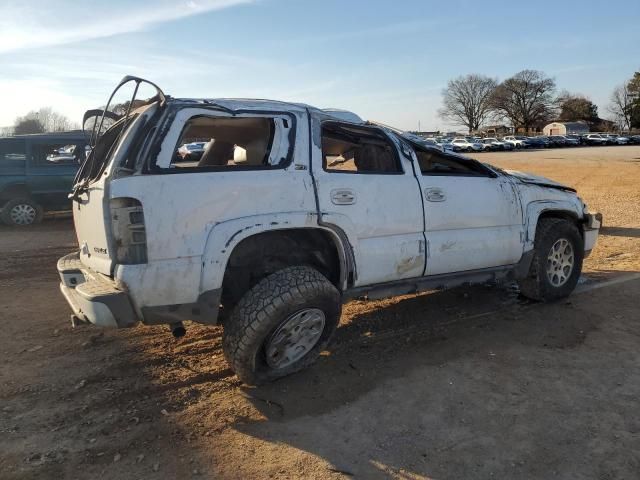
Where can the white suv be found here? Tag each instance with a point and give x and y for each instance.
(516, 142)
(290, 211)
(464, 145)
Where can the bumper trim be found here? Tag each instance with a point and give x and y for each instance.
(591, 229)
(593, 221)
(93, 297)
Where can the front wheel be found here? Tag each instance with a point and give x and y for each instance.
(22, 212)
(557, 261)
(281, 325)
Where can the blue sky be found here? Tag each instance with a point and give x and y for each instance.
(384, 60)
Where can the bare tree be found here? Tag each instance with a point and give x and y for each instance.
(6, 131)
(50, 120)
(526, 99)
(621, 105)
(53, 121)
(466, 100)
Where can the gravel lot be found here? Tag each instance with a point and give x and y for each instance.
(469, 383)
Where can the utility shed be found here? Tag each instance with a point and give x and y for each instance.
(566, 128)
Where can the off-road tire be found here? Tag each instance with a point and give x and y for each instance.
(5, 214)
(536, 285)
(268, 305)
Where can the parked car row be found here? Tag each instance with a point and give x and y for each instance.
(512, 142)
(191, 152)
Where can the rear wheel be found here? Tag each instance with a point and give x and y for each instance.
(21, 212)
(281, 325)
(557, 261)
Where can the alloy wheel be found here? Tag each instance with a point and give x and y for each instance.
(560, 262)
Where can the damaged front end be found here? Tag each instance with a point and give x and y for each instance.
(538, 180)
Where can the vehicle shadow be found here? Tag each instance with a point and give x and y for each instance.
(620, 231)
(383, 333)
(409, 385)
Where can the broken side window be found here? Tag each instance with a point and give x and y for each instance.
(432, 162)
(228, 143)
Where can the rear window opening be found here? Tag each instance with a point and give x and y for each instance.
(228, 143)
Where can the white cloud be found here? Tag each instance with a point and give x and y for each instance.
(74, 69)
(44, 23)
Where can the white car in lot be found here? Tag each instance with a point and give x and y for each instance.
(516, 142)
(444, 144)
(291, 211)
(495, 144)
(464, 145)
(596, 139)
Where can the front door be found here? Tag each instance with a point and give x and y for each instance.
(473, 218)
(367, 187)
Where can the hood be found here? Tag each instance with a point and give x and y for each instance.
(538, 180)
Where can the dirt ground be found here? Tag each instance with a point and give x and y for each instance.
(469, 383)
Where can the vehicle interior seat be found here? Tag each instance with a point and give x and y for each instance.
(373, 158)
(216, 153)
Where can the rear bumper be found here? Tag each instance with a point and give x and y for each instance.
(591, 229)
(94, 297)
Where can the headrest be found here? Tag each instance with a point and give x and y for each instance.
(239, 155)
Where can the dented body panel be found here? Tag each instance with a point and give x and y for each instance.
(394, 229)
(473, 223)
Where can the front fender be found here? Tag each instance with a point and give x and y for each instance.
(536, 208)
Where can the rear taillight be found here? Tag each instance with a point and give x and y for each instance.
(127, 226)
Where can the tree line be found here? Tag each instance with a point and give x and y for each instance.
(529, 99)
(41, 121)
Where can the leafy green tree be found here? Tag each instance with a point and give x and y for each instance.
(28, 125)
(577, 107)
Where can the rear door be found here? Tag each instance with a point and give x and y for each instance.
(367, 187)
(473, 218)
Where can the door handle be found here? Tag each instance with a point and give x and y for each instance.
(435, 195)
(342, 196)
